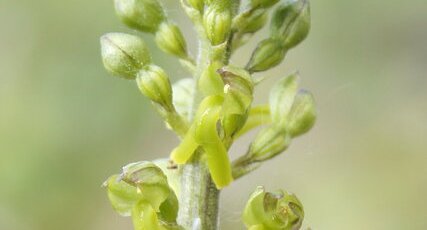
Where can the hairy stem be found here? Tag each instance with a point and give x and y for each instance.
(199, 198)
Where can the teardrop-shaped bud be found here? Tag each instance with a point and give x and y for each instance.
(217, 23)
(302, 115)
(143, 15)
(268, 143)
(124, 55)
(154, 84)
(291, 22)
(170, 39)
(254, 22)
(268, 54)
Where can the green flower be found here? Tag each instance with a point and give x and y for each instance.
(273, 211)
(142, 191)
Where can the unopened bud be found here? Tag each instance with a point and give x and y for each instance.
(269, 142)
(124, 55)
(268, 54)
(169, 39)
(250, 22)
(274, 211)
(302, 115)
(154, 84)
(143, 15)
(282, 98)
(217, 23)
(291, 22)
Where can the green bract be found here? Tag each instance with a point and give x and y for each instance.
(123, 54)
(143, 15)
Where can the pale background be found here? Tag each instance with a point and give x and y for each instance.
(66, 125)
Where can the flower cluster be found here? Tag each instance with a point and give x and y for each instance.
(215, 107)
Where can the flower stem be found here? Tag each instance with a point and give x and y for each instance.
(199, 198)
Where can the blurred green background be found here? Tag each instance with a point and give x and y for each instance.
(66, 125)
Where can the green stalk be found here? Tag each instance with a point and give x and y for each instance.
(199, 198)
